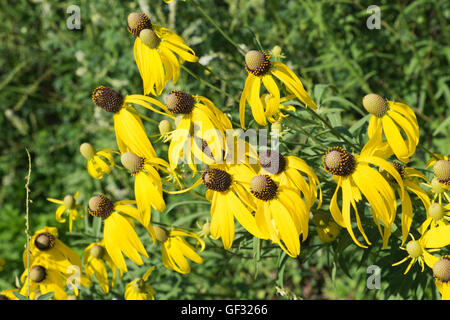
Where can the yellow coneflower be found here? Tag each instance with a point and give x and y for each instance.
(261, 69)
(290, 171)
(394, 118)
(420, 250)
(441, 272)
(8, 294)
(437, 215)
(225, 193)
(138, 289)
(356, 178)
(147, 183)
(118, 232)
(176, 250)
(130, 132)
(327, 229)
(68, 205)
(410, 177)
(45, 278)
(155, 50)
(440, 185)
(95, 259)
(99, 162)
(45, 244)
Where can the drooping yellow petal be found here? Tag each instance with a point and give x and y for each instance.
(395, 139)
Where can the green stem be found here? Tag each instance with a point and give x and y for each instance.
(433, 155)
(27, 222)
(142, 116)
(211, 20)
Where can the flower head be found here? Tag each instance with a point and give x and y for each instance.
(261, 70)
(138, 289)
(393, 119)
(68, 205)
(155, 52)
(99, 162)
(441, 272)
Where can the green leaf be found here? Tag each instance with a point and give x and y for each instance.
(46, 296)
(19, 296)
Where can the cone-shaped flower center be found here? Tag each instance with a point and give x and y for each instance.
(339, 161)
(399, 167)
(100, 206)
(180, 102)
(138, 22)
(414, 248)
(44, 241)
(272, 161)
(149, 38)
(97, 251)
(263, 187)
(138, 285)
(441, 269)
(375, 104)
(108, 99)
(257, 62)
(132, 162)
(436, 211)
(38, 273)
(216, 179)
(436, 186)
(87, 150)
(442, 171)
(69, 202)
(160, 234)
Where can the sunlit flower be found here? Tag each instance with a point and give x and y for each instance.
(99, 162)
(45, 277)
(130, 132)
(291, 171)
(327, 229)
(147, 183)
(441, 272)
(356, 178)
(261, 69)
(437, 215)
(118, 232)
(228, 199)
(8, 294)
(138, 289)
(45, 244)
(420, 250)
(155, 50)
(95, 260)
(394, 118)
(176, 250)
(410, 177)
(68, 205)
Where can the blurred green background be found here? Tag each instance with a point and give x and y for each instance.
(48, 72)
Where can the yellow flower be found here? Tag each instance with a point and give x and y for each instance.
(394, 118)
(138, 289)
(437, 215)
(130, 132)
(356, 178)
(69, 205)
(441, 272)
(45, 277)
(45, 244)
(200, 121)
(290, 171)
(95, 259)
(8, 294)
(96, 165)
(410, 177)
(176, 250)
(228, 199)
(327, 229)
(147, 184)
(261, 69)
(420, 250)
(155, 50)
(118, 231)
